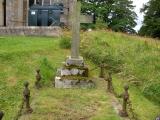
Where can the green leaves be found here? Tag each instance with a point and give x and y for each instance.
(48, 71)
(151, 23)
(117, 14)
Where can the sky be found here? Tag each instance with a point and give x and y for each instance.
(139, 5)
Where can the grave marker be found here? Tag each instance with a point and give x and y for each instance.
(76, 19)
(74, 73)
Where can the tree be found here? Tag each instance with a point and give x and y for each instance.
(117, 14)
(151, 23)
(122, 17)
(100, 8)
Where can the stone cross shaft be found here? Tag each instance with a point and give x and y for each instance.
(75, 29)
(76, 19)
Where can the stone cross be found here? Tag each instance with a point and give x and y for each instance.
(76, 19)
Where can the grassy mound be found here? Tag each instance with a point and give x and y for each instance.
(137, 59)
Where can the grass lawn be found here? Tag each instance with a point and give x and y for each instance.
(20, 57)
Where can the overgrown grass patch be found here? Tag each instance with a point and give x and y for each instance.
(143, 108)
(135, 58)
(65, 42)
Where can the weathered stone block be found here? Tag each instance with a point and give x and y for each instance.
(73, 77)
(75, 61)
(31, 31)
(73, 83)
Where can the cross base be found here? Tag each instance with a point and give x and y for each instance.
(73, 74)
(75, 61)
(73, 83)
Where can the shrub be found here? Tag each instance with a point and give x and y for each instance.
(47, 71)
(136, 60)
(101, 52)
(65, 42)
(152, 92)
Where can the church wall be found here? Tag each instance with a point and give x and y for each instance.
(14, 12)
(17, 12)
(1, 13)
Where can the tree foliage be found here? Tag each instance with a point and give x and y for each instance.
(117, 14)
(151, 23)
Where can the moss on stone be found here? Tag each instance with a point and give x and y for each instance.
(75, 78)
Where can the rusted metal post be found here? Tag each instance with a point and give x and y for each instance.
(101, 74)
(109, 82)
(1, 115)
(125, 95)
(26, 95)
(38, 79)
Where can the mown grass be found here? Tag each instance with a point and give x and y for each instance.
(71, 104)
(20, 57)
(135, 58)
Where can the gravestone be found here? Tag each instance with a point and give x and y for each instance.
(74, 72)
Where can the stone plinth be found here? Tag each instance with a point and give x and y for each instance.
(75, 61)
(73, 74)
(73, 83)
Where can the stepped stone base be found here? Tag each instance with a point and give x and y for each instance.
(69, 83)
(74, 74)
(75, 62)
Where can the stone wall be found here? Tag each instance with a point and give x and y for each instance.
(1, 13)
(14, 13)
(31, 31)
(17, 12)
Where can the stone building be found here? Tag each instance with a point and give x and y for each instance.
(15, 12)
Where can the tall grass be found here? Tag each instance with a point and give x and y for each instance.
(138, 59)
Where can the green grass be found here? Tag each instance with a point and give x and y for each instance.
(73, 104)
(20, 57)
(143, 108)
(135, 58)
(129, 57)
